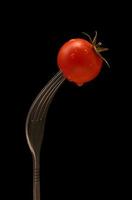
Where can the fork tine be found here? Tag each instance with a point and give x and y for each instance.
(38, 98)
(47, 99)
(49, 88)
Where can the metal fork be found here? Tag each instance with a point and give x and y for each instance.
(35, 123)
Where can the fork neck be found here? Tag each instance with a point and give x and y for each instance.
(36, 162)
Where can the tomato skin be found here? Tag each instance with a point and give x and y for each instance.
(78, 61)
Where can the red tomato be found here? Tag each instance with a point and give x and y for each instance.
(79, 61)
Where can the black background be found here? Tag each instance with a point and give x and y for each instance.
(83, 148)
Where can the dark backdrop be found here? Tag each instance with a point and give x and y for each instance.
(83, 143)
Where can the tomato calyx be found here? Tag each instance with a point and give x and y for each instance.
(97, 47)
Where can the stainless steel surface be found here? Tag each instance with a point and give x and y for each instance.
(35, 126)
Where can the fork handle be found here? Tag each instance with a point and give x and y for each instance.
(36, 184)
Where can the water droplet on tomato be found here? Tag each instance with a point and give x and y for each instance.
(73, 55)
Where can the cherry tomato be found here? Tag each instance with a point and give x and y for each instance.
(79, 61)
